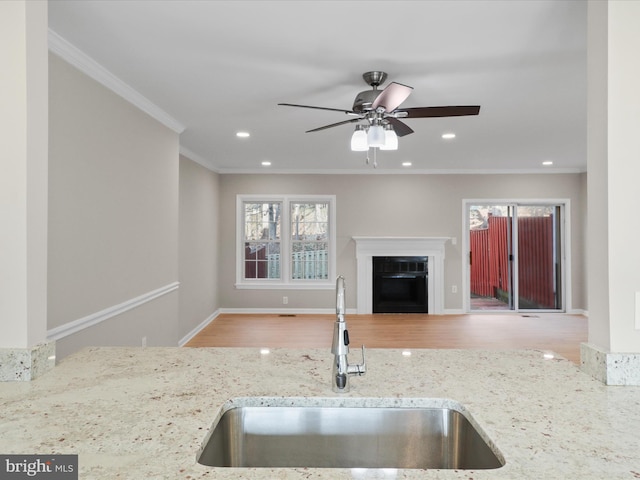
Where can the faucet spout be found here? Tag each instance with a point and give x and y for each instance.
(340, 296)
(340, 346)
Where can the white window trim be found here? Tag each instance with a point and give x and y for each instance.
(285, 244)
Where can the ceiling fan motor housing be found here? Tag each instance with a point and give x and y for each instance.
(363, 100)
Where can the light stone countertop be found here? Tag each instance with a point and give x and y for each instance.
(142, 413)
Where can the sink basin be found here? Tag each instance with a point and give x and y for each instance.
(346, 437)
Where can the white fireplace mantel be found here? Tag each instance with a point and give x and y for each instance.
(369, 247)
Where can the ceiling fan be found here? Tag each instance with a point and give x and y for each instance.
(378, 117)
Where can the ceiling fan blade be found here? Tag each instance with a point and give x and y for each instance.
(399, 127)
(353, 120)
(319, 108)
(392, 96)
(426, 112)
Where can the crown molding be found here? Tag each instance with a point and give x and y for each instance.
(198, 159)
(403, 171)
(87, 65)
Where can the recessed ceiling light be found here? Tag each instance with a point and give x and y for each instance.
(406, 164)
(448, 136)
(548, 162)
(242, 134)
(266, 164)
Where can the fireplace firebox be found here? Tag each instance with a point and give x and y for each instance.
(400, 284)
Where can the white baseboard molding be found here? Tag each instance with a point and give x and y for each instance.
(184, 340)
(286, 311)
(75, 326)
(309, 311)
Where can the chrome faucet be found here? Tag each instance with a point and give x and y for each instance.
(340, 347)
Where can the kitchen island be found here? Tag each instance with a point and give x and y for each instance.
(143, 413)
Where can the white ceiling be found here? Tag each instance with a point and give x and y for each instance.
(218, 67)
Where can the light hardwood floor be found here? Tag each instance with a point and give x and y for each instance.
(559, 333)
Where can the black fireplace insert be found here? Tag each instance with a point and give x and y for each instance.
(400, 284)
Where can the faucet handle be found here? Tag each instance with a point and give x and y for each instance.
(358, 369)
(363, 365)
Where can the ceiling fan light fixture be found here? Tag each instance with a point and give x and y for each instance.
(359, 140)
(390, 138)
(375, 136)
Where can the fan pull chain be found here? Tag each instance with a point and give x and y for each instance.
(368, 161)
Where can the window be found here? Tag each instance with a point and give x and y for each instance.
(285, 241)
(262, 239)
(310, 240)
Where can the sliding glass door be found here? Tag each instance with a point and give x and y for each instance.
(539, 254)
(514, 256)
(490, 257)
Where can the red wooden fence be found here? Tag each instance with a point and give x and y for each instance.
(536, 269)
(255, 262)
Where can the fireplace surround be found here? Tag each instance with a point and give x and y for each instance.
(369, 247)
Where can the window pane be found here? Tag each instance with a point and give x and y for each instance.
(262, 221)
(309, 260)
(309, 234)
(539, 277)
(309, 221)
(261, 260)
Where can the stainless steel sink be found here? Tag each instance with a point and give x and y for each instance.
(346, 437)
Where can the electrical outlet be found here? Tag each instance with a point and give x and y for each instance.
(285, 300)
(454, 241)
(454, 289)
(144, 341)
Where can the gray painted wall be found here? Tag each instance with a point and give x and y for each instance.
(198, 264)
(394, 205)
(113, 213)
